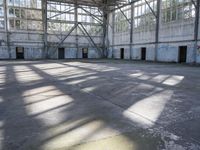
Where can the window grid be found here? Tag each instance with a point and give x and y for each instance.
(144, 18)
(121, 22)
(176, 10)
(91, 24)
(25, 15)
(60, 16)
(2, 23)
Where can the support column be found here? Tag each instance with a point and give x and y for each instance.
(131, 32)
(105, 29)
(76, 30)
(113, 31)
(44, 14)
(6, 28)
(196, 28)
(157, 28)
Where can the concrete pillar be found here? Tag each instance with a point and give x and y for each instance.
(196, 28)
(76, 30)
(113, 32)
(44, 14)
(6, 28)
(157, 28)
(131, 32)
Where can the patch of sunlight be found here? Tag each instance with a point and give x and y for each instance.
(173, 80)
(119, 142)
(1, 99)
(2, 75)
(48, 105)
(1, 134)
(147, 111)
(89, 89)
(138, 74)
(95, 67)
(38, 90)
(71, 133)
(144, 77)
(82, 80)
(2, 79)
(48, 65)
(25, 74)
(143, 86)
(159, 78)
(67, 76)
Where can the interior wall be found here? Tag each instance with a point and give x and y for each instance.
(172, 35)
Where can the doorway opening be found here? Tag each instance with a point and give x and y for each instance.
(85, 52)
(19, 52)
(182, 54)
(61, 53)
(122, 53)
(143, 53)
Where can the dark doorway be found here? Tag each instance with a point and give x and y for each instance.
(85, 52)
(143, 53)
(61, 53)
(182, 54)
(19, 53)
(122, 53)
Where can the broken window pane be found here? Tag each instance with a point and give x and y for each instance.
(11, 24)
(11, 12)
(17, 24)
(24, 25)
(17, 13)
(23, 13)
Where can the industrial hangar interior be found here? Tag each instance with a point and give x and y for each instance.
(99, 75)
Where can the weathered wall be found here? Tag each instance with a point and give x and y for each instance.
(71, 53)
(172, 35)
(33, 53)
(150, 52)
(4, 54)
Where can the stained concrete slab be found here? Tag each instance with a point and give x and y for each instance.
(98, 104)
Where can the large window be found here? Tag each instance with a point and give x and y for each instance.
(143, 16)
(174, 10)
(25, 15)
(1, 15)
(121, 22)
(60, 16)
(93, 24)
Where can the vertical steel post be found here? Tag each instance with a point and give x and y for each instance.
(157, 28)
(76, 30)
(131, 32)
(6, 27)
(44, 12)
(113, 31)
(105, 29)
(196, 28)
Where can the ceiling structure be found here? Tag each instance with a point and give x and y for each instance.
(98, 3)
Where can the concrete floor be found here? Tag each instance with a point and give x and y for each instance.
(99, 105)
